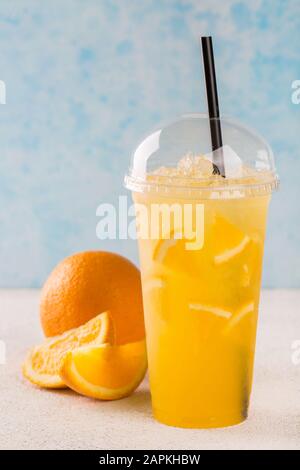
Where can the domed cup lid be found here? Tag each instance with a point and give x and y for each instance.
(177, 159)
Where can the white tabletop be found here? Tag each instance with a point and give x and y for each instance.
(32, 418)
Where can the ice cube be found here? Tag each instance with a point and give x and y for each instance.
(232, 163)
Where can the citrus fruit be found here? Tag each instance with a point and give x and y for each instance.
(106, 372)
(219, 312)
(241, 328)
(242, 318)
(179, 254)
(87, 283)
(228, 241)
(43, 362)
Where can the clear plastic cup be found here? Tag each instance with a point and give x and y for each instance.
(201, 239)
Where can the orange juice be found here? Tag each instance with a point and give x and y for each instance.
(201, 239)
(201, 312)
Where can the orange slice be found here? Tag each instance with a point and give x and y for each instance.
(105, 372)
(219, 312)
(228, 241)
(244, 314)
(43, 362)
(179, 254)
(241, 328)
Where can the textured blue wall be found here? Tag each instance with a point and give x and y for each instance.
(86, 80)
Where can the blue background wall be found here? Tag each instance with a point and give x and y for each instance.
(87, 79)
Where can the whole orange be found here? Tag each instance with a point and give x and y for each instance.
(88, 283)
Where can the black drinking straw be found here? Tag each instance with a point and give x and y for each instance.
(212, 102)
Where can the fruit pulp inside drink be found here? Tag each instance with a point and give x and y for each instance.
(201, 309)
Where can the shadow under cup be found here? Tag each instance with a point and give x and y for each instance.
(201, 241)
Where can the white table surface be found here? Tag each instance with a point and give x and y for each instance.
(31, 418)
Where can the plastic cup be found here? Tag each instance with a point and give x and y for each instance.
(201, 240)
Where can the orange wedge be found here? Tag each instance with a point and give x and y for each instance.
(43, 362)
(105, 372)
(232, 242)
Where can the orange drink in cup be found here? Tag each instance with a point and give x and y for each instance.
(201, 239)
